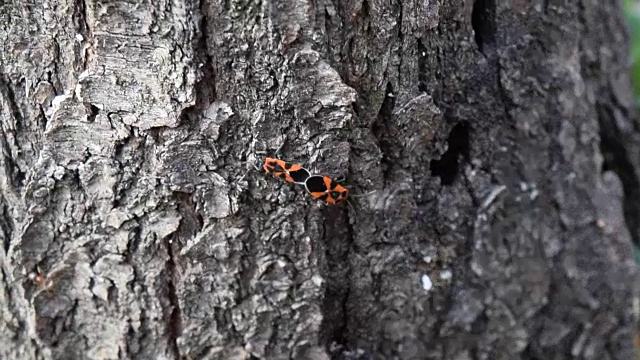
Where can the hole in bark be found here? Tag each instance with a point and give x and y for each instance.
(93, 112)
(483, 22)
(447, 167)
(20, 177)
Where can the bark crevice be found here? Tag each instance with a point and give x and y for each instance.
(447, 168)
(617, 158)
(174, 323)
(484, 23)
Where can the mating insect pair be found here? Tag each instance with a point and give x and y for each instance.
(319, 187)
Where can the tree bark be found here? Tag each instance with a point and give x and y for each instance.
(490, 150)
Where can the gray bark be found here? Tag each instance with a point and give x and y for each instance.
(493, 145)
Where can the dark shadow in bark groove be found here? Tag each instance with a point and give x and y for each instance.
(174, 324)
(190, 225)
(616, 159)
(6, 227)
(93, 112)
(12, 102)
(203, 48)
(205, 88)
(380, 130)
(447, 168)
(422, 67)
(337, 274)
(483, 21)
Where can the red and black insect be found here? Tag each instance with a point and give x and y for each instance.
(289, 172)
(326, 189)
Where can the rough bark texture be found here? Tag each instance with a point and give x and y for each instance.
(493, 144)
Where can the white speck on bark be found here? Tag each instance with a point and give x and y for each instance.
(426, 282)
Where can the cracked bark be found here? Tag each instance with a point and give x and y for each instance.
(494, 145)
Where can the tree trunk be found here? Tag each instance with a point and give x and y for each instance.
(490, 149)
